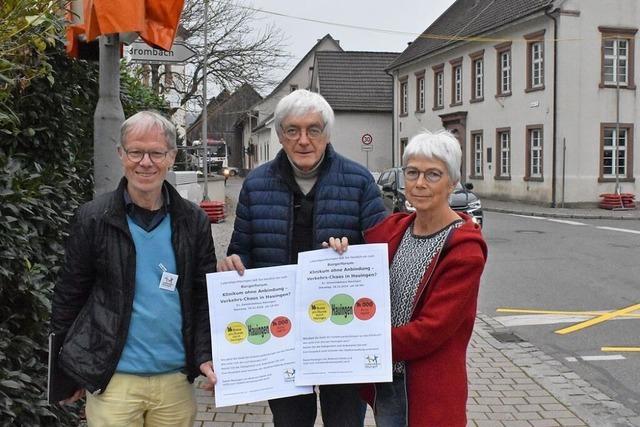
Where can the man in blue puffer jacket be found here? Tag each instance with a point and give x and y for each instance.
(307, 195)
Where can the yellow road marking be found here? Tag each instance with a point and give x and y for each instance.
(620, 349)
(599, 319)
(560, 313)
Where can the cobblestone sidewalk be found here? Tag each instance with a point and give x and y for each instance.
(510, 385)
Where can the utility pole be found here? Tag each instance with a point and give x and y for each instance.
(205, 139)
(617, 138)
(108, 117)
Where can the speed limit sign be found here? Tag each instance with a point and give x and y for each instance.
(367, 139)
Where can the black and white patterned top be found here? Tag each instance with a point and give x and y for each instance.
(409, 264)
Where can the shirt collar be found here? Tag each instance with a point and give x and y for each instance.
(129, 204)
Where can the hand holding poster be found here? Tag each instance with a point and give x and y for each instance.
(343, 316)
(253, 334)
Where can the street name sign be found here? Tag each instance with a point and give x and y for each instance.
(179, 53)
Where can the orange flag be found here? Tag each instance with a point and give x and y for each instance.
(155, 20)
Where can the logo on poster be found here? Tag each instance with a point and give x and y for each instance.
(289, 375)
(371, 361)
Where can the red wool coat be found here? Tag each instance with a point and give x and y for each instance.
(434, 342)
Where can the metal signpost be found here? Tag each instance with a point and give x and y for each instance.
(205, 139)
(107, 118)
(367, 145)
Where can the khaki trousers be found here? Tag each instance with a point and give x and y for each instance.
(149, 401)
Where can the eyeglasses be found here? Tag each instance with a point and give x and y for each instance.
(293, 133)
(137, 155)
(413, 174)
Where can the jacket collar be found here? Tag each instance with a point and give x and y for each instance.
(116, 212)
(281, 166)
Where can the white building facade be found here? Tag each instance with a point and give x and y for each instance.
(529, 89)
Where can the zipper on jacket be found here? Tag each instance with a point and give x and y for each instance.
(406, 397)
(292, 220)
(121, 339)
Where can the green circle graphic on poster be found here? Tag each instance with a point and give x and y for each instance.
(341, 309)
(258, 329)
(365, 308)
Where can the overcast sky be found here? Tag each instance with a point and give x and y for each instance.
(390, 24)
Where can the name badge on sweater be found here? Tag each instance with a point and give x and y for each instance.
(168, 280)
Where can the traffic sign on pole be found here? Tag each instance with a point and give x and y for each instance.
(142, 52)
(367, 142)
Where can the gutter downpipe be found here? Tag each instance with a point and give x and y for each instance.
(393, 118)
(555, 103)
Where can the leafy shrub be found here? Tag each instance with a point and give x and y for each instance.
(45, 174)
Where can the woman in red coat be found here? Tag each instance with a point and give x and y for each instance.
(436, 258)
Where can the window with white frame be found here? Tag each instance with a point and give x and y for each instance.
(534, 153)
(618, 46)
(404, 97)
(478, 78)
(616, 150)
(477, 148)
(503, 169)
(420, 92)
(535, 61)
(537, 65)
(439, 90)
(503, 54)
(616, 50)
(505, 72)
(457, 84)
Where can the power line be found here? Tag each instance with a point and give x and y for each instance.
(431, 36)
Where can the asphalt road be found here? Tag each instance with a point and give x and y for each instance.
(568, 266)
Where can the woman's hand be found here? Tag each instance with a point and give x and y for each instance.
(339, 245)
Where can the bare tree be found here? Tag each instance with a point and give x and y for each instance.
(239, 51)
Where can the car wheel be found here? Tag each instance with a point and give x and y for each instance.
(232, 172)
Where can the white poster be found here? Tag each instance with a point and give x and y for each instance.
(343, 316)
(253, 334)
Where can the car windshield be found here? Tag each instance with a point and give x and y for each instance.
(217, 150)
(401, 180)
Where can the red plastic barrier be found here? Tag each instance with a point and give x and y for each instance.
(617, 201)
(214, 210)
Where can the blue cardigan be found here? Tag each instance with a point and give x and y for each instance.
(347, 202)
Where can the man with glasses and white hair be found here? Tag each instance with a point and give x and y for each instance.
(305, 196)
(132, 303)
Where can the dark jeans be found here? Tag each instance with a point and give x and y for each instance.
(391, 403)
(340, 406)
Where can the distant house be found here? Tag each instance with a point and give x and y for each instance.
(529, 88)
(223, 112)
(360, 92)
(260, 139)
(358, 89)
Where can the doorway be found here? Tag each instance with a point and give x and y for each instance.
(456, 123)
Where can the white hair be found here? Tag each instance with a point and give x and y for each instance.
(144, 121)
(441, 145)
(300, 102)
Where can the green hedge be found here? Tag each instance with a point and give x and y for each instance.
(45, 174)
